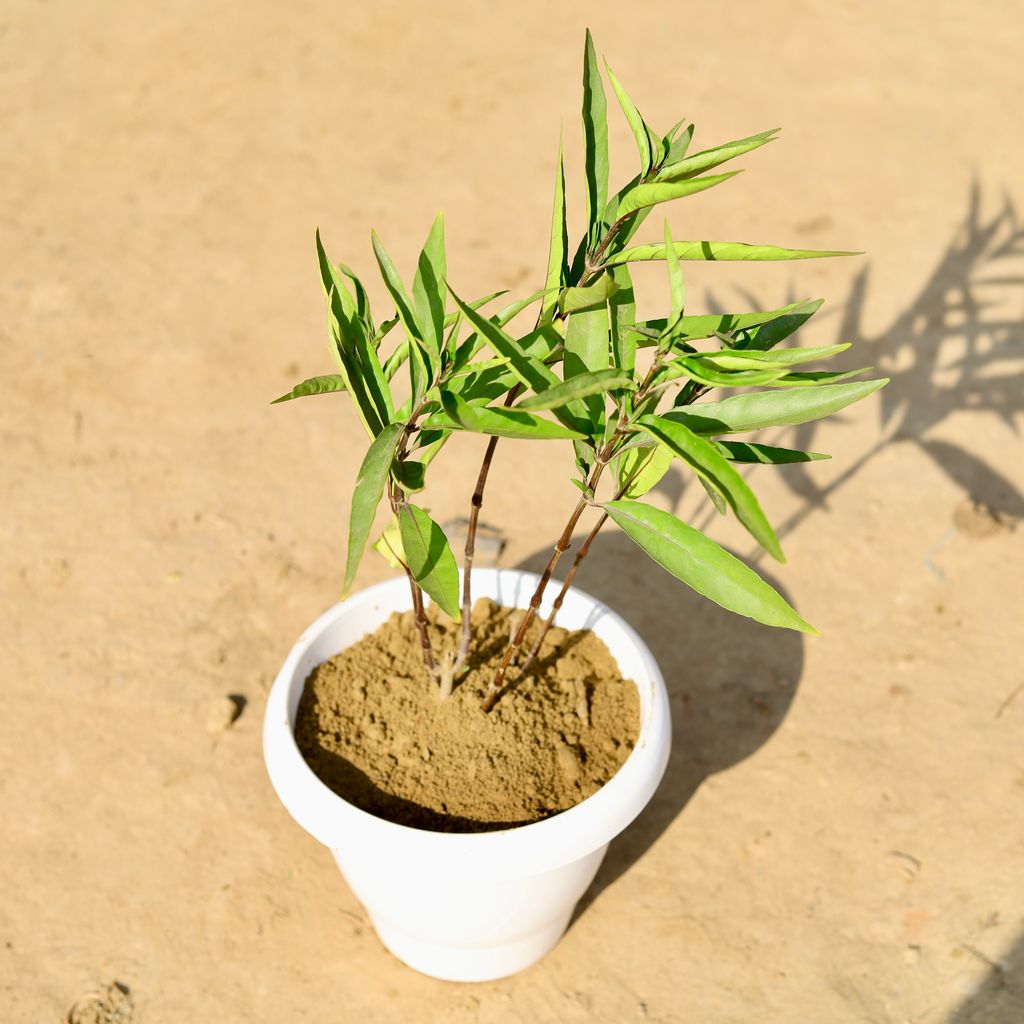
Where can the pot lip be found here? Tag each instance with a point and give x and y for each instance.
(562, 838)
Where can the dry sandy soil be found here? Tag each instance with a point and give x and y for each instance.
(840, 834)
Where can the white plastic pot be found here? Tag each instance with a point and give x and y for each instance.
(467, 907)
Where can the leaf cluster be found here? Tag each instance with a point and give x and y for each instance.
(627, 393)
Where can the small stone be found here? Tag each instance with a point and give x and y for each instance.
(222, 713)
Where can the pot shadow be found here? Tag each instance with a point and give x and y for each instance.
(730, 682)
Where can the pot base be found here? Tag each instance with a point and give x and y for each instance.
(471, 963)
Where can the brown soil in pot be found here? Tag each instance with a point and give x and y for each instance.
(371, 725)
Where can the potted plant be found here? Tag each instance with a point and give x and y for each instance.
(471, 896)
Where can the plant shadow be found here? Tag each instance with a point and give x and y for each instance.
(1000, 998)
(730, 682)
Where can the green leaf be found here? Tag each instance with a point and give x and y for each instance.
(709, 158)
(585, 384)
(593, 296)
(558, 251)
(366, 495)
(353, 350)
(345, 358)
(744, 451)
(410, 474)
(720, 251)
(814, 377)
(323, 385)
(716, 496)
(389, 545)
(458, 415)
(428, 292)
(646, 141)
(776, 358)
(531, 371)
(595, 138)
(703, 565)
(587, 350)
(710, 376)
(676, 147)
(654, 193)
(643, 467)
(711, 465)
(767, 335)
(394, 361)
(740, 413)
(418, 373)
(704, 325)
(622, 314)
(430, 558)
(676, 282)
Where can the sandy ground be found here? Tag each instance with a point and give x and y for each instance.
(840, 834)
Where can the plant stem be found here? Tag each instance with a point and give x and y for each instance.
(561, 546)
(421, 625)
(474, 516)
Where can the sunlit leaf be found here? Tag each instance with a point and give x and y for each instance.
(595, 140)
(596, 383)
(709, 463)
(740, 413)
(720, 251)
(366, 495)
(703, 565)
(654, 193)
(430, 559)
(323, 385)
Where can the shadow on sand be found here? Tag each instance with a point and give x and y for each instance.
(957, 347)
(728, 694)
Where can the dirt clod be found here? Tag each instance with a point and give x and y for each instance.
(371, 725)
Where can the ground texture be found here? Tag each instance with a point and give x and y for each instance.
(839, 837)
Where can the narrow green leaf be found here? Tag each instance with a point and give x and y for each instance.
(812, 378)
(676, 146)
(709, 375)
(595, 138)
(428, 292)
(394, 361)
(411, 475)
(366, 495)
(740, 413)
(430, 559)
(720, 251)
(323, 385)
(532, 372)
(716, 496)
(587, 350)
(676, 282)
(710, 464)
(641, 133)
(596, 383)
(593, 296)
(709, 158)
(743, 451)
(622, 314)
(776, 358)
(654, 193)
(704, 325)
(353, 350)
(458, 415)
(643, 467)
(703, 565)
(558, 250)
(345, 359)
